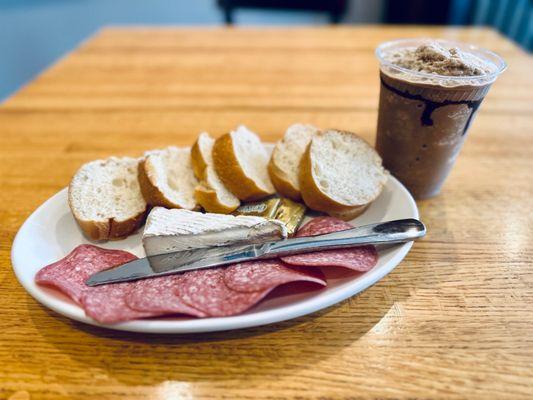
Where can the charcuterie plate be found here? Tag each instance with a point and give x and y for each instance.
(51, 232)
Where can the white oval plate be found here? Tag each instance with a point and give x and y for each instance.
(50, 233)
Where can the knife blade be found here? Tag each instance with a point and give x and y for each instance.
(397, 231)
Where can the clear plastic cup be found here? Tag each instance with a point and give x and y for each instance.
(424, 118)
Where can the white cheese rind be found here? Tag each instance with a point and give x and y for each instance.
(173, 230)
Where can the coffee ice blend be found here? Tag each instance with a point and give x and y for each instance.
(430, 93)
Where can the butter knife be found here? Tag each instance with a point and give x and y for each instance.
(397, 231)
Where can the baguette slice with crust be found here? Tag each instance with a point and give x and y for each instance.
(241, 161)
(340, 174)
(105, 198)
(350, 214)
(284, 165)
(211, 193)
(167, 179)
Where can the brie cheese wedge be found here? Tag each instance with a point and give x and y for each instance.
(171, 230)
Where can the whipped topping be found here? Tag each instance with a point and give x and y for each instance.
(432, 58)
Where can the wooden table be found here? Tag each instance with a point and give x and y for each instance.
(454, 320)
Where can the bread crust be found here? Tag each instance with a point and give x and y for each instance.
(316, 199)
(94, 230)
(208, 199)
(312, 195)
(206, 196)
(109, 229)
(121, 229)
(199, 165)
(151, 193)
(280, 181)
(351, 214)
(279, 175)
(230, 172)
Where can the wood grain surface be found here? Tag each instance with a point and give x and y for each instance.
(454, 319)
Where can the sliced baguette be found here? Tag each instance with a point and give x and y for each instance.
(167, 179)
(340, 174)
(105, 198)
(284, 165)
(211, 193)
(241, 161)
(350, 214)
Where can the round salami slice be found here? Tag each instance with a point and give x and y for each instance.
(69, 274)
(158, 295)
(260, 275)
(106, 304)
(361, 258)
(205, 290)
(322, 225)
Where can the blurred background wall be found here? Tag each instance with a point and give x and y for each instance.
(35, 33)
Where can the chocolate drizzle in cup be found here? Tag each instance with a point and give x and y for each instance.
(430, 105)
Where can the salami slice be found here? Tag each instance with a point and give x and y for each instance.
(106, 304)
(158, 295)
(205, 290)
(361, 258)
(232, 290)
(214, 292)
(322, 225)
(69, 274)
(255, 276)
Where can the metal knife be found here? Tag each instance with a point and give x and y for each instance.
(397, 231)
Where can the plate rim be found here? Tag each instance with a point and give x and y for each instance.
(261, 318)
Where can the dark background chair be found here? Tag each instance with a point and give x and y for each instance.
(434, 12)
(513, 18)
(334, 8)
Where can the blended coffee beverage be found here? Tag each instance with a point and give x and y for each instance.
(430, 92)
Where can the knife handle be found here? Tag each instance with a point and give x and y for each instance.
(398, 231)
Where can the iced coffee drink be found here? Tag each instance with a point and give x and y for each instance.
(430, 93)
